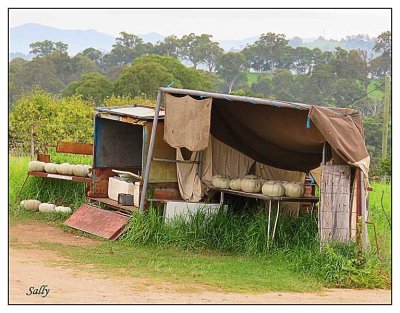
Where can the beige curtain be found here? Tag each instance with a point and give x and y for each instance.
(190, 185)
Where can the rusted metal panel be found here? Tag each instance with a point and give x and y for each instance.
(159, 171)
(99, 222)
(63, 177)
(43, 157)
(74, 148)
(167, 192)
(99, 186)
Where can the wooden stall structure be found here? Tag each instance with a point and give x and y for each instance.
(328, 142)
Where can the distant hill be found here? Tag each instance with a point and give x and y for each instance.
(78, 40)
(22, 36)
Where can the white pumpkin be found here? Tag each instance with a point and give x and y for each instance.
(250, 185)
(50, 168)
(234, 184)
(64, 169)
(273, 190)
(80, 170)
(46, 207)
(221, 181)
(293, 190)
(62, 209)
(36, 166)
(31, 205)
(270, 182)
(88, 168)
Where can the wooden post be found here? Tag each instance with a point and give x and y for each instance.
(386, 109)
(32, 142)
(150, 152)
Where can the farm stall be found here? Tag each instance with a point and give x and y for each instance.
(277, 140)
(175, 150)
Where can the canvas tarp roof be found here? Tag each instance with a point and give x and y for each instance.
(277, 135)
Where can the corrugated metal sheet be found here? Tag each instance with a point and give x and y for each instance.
(132, 111)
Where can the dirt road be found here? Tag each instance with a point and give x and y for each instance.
(34, 266)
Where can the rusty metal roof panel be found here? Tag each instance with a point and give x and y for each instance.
(144, 113)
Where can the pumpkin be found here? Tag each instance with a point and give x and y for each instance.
(31, 205)
(50, 168)
(62, 209)
(293, 190)
(80, 170)
(234, 184)
(64, 169)
(273, 190)
(221, 181)
(89, 169)
(36, 166)
(46, 207)
(250, 185)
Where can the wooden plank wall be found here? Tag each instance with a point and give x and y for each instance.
(335, 208)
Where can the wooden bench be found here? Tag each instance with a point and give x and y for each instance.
(62, 147)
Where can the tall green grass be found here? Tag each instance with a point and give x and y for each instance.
(244, 232)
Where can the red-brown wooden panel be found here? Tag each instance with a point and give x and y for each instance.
(97, 221)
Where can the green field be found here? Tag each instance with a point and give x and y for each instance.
(227, 252)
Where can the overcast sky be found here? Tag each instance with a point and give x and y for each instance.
(224, 24)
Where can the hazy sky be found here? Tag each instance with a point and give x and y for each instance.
(222, 24)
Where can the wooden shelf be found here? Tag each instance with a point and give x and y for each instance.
(264, 197)
(114, 204)
(62, 177)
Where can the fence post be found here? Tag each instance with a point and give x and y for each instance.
(32, 142)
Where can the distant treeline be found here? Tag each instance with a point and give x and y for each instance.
(268, 68)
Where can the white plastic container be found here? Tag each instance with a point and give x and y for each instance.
(116, 186)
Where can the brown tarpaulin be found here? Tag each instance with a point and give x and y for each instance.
(279, 136)
(187, 122)
(344, 134)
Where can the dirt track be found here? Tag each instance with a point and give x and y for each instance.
(31, 266)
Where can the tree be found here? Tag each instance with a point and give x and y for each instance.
(318, 88)
(270, 50)
(91, 86)
(231, 67)
(301, 60)
(211, 54)
(143, 79)
(38, 106)
(263, 85)
(347, 91)
(169, 46)
(381, 65)
(200, 49)
(189, 78)
(284, 86)
(38, 72)
(350, 64)
(127, 47)
(93, 54)
(46, 48)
